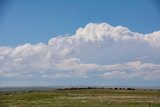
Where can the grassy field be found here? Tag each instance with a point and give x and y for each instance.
(82, 98)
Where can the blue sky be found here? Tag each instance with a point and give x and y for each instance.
(79, 42)
(28, 21)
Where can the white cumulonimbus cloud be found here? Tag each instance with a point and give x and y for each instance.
(99, 50)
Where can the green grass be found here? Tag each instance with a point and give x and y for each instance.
(82, 98)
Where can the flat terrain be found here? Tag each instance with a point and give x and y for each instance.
(108, 97)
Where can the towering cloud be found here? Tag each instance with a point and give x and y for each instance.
(99, 50)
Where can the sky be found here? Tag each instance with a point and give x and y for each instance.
(71, 42)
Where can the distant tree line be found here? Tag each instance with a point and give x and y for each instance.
(83, 88)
